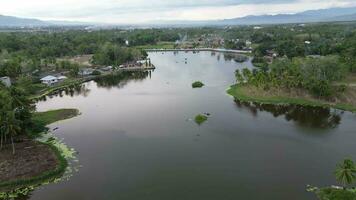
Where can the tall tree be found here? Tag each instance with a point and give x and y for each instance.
(346, 172)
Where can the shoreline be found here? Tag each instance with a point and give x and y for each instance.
(202, 49)
(47, 157)
(46, 175)
(82, 80)
(236, 92)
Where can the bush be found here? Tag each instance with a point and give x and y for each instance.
(197, 84)
(96, 73)
(200, 119)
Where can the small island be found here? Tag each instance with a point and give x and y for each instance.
(200, 119)
(198, 84)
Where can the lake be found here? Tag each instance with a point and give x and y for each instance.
(136, 139)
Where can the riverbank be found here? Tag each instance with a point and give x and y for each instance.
(253, 94)
(76, 82)
(34, 161)
(335, 194)
(201, 49)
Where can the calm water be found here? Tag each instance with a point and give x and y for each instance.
(136, 139)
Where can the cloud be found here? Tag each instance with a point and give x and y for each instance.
(136, 11)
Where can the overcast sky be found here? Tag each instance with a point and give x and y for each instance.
(137, 11)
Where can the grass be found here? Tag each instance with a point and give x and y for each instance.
(336, 194)
(159, 45)
(200, 119)
(52, 116)
(243, 94)
(198, 84)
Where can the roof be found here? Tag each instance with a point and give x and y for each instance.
(48, 78)
(62, 77)
(86, 69)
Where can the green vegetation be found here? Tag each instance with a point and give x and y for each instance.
(112, 54)
(52, 116)
(198, 84)
(200, 119)
(159, 45)
(253, 94)
(345, 174)
(336, 194)
(21, 187)
(46, 176)
(15, 114)
(18, 121)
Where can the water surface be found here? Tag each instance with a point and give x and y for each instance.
(136, 138)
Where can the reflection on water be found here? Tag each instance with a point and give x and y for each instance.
(71, 91)
(119, 80)
(236, 57)
(135, 146)
(308, 116)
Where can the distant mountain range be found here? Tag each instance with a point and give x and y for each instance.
(9, 21)
(324, 15)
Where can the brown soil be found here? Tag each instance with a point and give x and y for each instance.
(31, 159)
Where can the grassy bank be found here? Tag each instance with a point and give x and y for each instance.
(247, 93)
(336, 194)
(159, 45)
(49, 147)
(52, 116)
(62, 86)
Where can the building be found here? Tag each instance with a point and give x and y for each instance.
(49, 80)
(248, 43)
(62, 78)
(108, 68)
(6, 81)
(85, 71)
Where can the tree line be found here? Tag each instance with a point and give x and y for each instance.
(315, 75)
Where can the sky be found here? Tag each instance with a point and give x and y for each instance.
(141, 11)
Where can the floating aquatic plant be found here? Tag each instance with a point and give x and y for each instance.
(68, 165)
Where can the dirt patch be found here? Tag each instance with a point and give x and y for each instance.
(30, 160)
(83, 60)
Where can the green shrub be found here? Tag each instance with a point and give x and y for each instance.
(200, 119)
(96, 73)
(197, 84)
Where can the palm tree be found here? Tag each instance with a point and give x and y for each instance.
(11, 127)
(346, 172)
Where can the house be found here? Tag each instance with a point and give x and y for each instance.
(85, 71)
(49, 80)
(62, 78)
(142, 62)
(6, 81)
(108, 68)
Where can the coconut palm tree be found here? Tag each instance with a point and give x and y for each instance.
(346, 172)
(11, 128)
